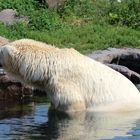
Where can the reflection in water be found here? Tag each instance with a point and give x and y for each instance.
(11, 109)
(35, 123)
(90, 126)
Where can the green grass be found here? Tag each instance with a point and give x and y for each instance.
(86, 39)
(90, 37)
(83, 25)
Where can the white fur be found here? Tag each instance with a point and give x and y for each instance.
(72, 81)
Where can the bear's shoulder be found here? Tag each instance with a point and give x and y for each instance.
(29, 45)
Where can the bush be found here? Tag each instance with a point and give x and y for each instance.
(40, 18)
(44, 19)
(22, 6)
(81, 24)
(87, 10)
(19, 29)
(125, 13)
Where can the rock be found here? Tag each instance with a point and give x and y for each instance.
(11, 89)
(3, 41)
(53, 3)
(108, 55)
(126, 61)
(138, 86)
(9, 17)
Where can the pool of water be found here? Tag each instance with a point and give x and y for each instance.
(32, 121)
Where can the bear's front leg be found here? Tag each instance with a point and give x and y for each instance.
(67, 98)
(72, 107)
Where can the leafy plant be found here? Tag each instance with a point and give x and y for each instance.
(81, 24)
(125, 13)
(44, 19)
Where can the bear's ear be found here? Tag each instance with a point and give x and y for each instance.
(5, 49)
(8, 49)
(5, 52)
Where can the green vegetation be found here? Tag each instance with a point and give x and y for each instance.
(40, 99)
(83, 25)
(125, 13)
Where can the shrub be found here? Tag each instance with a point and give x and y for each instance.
(87, 10)
(40, 17)
(22, 6)
(125, 13)
(44, 19)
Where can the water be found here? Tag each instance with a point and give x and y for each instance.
(33, 122)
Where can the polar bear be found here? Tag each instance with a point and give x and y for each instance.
(72, 81)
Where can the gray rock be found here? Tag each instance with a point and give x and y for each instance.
(138, 86)
(10, 17)
(108, 55)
